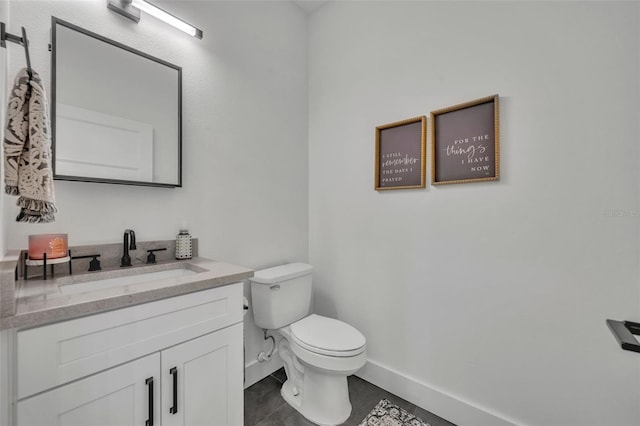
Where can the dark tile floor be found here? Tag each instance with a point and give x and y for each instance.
(263, 405)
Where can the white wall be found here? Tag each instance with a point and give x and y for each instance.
(245, 166)
(485, 303)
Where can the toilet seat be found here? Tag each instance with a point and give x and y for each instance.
(327, 336)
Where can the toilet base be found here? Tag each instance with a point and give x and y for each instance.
(316, 384)
(324, 399)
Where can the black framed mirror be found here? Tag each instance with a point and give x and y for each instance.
(116, 112)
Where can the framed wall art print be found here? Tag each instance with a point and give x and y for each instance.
(465, 142)
(401, 154)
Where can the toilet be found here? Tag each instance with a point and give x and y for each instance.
(318, 352)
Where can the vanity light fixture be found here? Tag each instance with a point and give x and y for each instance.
(131, 9)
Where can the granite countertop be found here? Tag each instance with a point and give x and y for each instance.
(39, 302)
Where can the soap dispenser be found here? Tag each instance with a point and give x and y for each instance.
(183, 245)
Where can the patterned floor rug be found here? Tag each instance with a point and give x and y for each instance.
(388, 414)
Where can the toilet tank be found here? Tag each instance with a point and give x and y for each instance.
(281, 295)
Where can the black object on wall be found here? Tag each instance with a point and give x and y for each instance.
(23, 41)
(624, 332)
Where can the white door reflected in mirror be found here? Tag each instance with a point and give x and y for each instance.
(117, 111)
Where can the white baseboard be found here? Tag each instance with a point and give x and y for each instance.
(256, 371)
(447, 406)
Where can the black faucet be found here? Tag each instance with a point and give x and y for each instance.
(128, 245)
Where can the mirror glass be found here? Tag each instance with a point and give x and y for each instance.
(116, 111)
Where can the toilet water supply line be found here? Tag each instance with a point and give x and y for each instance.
(262, 357)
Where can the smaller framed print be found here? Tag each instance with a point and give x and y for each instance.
(401, 154)
(465, 142)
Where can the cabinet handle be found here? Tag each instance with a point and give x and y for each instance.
(149, 383)
(174, 373)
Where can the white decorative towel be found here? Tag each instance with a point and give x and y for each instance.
(27, 150)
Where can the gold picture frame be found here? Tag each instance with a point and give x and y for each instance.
(465, 142)
(401, 154)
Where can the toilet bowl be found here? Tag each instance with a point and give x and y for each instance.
(318, 352)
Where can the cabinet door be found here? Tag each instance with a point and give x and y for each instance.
(121, 396)
(202, 380)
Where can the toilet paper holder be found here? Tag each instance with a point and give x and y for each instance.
(624, 332)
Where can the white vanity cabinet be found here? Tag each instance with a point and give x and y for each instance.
(177, 361)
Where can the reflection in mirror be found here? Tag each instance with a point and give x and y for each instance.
(116, 111)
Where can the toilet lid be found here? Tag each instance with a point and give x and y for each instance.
(327, 336)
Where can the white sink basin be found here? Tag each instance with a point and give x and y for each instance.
(122, 281)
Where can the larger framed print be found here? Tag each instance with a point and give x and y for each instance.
(465, 142)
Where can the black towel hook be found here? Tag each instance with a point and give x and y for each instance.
(23, 41)
(25, 44)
